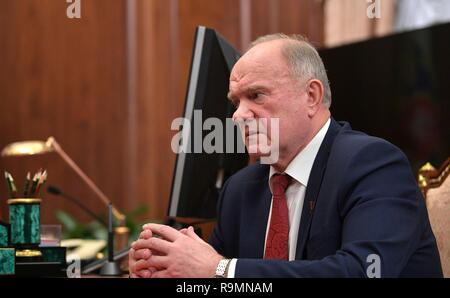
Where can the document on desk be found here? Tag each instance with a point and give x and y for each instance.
(83, 249)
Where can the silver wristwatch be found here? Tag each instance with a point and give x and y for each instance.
(222, 268)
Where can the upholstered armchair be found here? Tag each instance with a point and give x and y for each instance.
(435, 186)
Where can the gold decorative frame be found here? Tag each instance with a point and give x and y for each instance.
(429, 177)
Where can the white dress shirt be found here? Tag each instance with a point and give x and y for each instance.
(299, 169)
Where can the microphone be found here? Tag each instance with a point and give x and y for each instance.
(58, 192)
(111, 266)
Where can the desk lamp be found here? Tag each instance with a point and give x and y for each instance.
(40, 147)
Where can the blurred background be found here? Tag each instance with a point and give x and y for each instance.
(108, 85)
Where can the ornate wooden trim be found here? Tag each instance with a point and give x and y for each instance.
(429, 177)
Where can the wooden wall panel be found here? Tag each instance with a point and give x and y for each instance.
(346, 21)
(108, 85)
(260, 18)
(288, 16)
(66, 78)
(211, 14)
(156, 103)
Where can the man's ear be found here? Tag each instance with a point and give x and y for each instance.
(315, 92)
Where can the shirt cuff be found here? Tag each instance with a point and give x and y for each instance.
(231, 268)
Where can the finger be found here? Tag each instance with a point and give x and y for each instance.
(144, 227)
(142, 254)
(159, 262)
(131, 260)
(191, 233)
(158, 244)
(146, 273)
(141, 265)
(140, 244)
(146, 234)
(142, 274)
(183, 231)
(131, 252)
(164, 231)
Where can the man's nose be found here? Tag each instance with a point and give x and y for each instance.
(243, 113)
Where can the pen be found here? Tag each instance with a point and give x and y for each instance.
(41, 181)
(8, 183)
(13, 186)
(34, 185)
(27, 184)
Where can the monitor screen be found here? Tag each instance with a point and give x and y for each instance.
(199, 173)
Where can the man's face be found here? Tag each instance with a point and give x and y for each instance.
(261, 87)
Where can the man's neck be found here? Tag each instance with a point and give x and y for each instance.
(285, 160)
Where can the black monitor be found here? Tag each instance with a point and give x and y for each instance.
(199, 176)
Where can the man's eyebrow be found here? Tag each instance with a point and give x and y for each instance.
(247, 89)
(254, 88)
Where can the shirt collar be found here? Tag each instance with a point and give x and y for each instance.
(300, 167)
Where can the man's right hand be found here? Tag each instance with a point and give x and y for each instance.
(138, 259)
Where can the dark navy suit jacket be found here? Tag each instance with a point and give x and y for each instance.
(361, 199)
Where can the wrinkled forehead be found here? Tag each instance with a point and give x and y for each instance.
(245, 69)
(264, 61)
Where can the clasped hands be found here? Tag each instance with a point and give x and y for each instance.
(173, 254)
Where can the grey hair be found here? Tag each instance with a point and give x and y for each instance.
(303, 60)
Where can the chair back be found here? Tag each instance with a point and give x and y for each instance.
(435, 186)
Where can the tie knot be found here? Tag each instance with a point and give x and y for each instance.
(279, 183)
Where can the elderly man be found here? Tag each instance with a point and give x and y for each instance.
(336, 203)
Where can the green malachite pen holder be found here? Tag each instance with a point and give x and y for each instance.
(25, 221)
(7, 261)
(4, 234)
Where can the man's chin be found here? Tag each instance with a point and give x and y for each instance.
(265, 154)
(258, 152)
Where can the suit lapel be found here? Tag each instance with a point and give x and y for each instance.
(256, 206)
(313, 188)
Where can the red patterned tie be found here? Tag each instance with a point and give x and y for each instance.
(277, 238)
